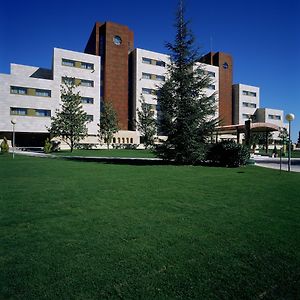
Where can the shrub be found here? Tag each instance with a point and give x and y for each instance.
(48, 146)
(4, 146)
(228, 154)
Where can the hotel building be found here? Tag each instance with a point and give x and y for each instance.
(112, 70)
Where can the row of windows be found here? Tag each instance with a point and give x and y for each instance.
(20, 111)
(18, 90)
(247, 104)
(154, 62)
(77, 81)
(33, 112)
(248, 93)
(123, 140)
(205, 72)
(153, 76)
(274, 117)
(77, 64)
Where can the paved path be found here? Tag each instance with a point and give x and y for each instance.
(261, 161)
(274, 163)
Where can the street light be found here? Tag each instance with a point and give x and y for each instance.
(13, 122)
(290, 118)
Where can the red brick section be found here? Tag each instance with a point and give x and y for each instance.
(225, 64)
(114, 61)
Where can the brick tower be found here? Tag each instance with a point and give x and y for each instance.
(113, 42)
(224, 62)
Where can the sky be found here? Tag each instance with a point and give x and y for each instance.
(261, 35)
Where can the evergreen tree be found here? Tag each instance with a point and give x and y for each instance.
(108, 123)
(187, 113)
(69, 123)
(146, 123)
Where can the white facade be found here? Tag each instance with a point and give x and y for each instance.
(31, 95)
(150, 72)
(245, 102)
(273, 116)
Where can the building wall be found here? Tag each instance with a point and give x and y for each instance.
(140, 84)
(273, 116)
(115, 83)
(60, 71)
(245, 102)
(225, 63)
(21, 77)
(147, 78)
(30, 78)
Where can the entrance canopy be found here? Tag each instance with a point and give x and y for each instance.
(241, 128)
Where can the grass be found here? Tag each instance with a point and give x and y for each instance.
(75, 230)
(108, 153)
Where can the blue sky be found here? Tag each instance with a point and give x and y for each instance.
(262, 36)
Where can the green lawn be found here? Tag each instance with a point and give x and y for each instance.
(108, 153)
(83, 230)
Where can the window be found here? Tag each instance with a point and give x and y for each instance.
(211, 87)
(146, 76)
(87, 100)
(18, 90)
(131, 140)
(160, 63)
(43, 113)
(248, 93)
(153, 76)
(246, 116)
(211, 74)
(68, 80)
(90, 118)
(68, 62)
(87, 66)
(247, 104)
(160, 78)
(274, 117)
(17, 111)
(146, 60)
(147, 91)
(43, 93)
(88, 83)
(150, 61)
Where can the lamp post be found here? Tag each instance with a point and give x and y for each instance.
(13, 122)
(290, 118)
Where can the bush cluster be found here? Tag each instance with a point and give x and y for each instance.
(4, 146)
(228, 154)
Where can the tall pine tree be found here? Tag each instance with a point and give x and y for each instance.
(69, 123)
(187, 112)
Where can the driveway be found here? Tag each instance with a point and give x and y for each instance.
(274, 163)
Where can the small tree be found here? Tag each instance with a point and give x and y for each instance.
(108, 123)
(4, 146)
(146, 123)
(47, 146)
(69, 123)
(187, 112)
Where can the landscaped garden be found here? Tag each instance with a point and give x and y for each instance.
(86, 230)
